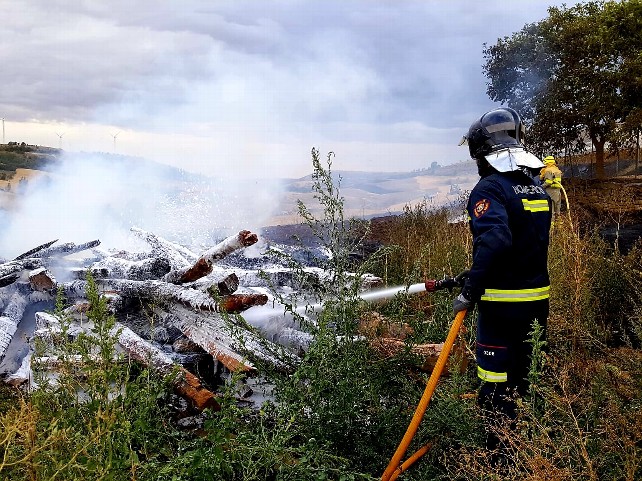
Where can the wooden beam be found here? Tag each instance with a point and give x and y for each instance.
(212, 332)
(65, 249)
(203, 266)
(177, 255)
(35, 249)
(184, 382)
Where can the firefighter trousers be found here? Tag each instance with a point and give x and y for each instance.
(504, 353)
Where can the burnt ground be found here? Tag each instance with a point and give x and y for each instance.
(613, 207)
(291, 234)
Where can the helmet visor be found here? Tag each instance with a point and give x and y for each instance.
(508, 160)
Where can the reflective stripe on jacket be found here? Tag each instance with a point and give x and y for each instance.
(551, 175)
(510, 218)
(516, 295)
(490, 376)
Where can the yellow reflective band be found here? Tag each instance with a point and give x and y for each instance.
(491, 376)
(516, 295)
(535, 205)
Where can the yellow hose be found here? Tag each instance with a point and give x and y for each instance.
(394, 468)
(568, 206)
(411, 460)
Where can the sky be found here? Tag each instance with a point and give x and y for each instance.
(247, 88)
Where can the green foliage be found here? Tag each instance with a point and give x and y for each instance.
(19, 157)
(339, 236)
(100, 418)
(565, 95)
(343, 395)
(596, 298)
(340, 412)
(538, 344)
(242, 444)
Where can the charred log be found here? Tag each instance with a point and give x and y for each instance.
(150, 289)
(42, 280)
(241, 302)
(185, 383)
(226, 286)
(150, 268)
(162, 291)
(177, 255)
(65, 249)
(203, 265)
(30, 253)
(213, 334)
(153, 290)
(48, 326)
(11, 316)
(96, 273)
(8, 280)
(13, 267)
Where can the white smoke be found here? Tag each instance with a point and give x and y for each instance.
(278, 325)
(100, 196)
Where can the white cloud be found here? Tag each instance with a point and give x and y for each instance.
(243, 87)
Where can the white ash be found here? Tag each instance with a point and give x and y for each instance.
(12, 267)
(177, 255)
(162, 316)
(11, 316)
(148, 268)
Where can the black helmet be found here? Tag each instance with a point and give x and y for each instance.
(495, 130)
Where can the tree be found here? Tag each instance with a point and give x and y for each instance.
(575, 74)
(623, 26)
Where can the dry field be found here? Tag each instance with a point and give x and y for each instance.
(380, 197)
(8, 187)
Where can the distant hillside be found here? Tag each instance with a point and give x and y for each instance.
(15, 156)
(23, 166)
(370, 194)
(366, 194)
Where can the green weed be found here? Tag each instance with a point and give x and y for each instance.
(341, 410)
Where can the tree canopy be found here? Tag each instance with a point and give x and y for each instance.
(574, 76)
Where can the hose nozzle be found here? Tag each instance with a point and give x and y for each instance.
(449, 283)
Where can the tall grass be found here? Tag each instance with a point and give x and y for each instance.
(586, 423)
(97, 418)
(340, 412)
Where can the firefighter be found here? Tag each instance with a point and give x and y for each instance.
(510, 219)
(551, 177)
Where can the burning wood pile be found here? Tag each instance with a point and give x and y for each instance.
(175, 310)
(169, 304)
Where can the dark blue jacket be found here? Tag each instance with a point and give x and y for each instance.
(510, 219)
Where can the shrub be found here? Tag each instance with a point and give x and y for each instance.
(340, 412)
(99, 418)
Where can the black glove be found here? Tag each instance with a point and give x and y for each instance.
(460, 279)
(460, 303)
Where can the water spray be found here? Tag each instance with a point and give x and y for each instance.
(430, 285)
(282, 327)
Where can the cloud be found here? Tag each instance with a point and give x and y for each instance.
(247, 82)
